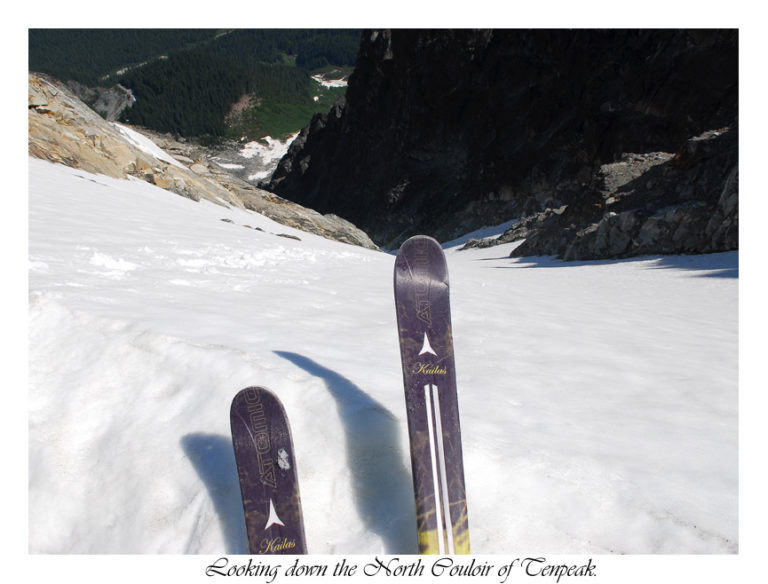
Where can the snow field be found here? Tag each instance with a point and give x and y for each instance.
(598, 401)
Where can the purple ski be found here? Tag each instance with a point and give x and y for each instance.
(426, 349)
(266, 468)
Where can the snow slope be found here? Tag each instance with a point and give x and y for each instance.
(598, 400)
(145, 144)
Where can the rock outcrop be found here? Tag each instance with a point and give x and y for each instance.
(108, 102)
(653, 203)
(446, 131)
(64, 130)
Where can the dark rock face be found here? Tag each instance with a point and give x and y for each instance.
(445, 131)
(655, 203)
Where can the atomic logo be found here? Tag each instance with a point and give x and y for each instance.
(426, 347)
(273, 518)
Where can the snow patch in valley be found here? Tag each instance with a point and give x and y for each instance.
(230, 166)
(324, 81)
(264, 154)
(268, 149)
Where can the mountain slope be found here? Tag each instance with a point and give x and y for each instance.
(445, 131)
(190, 81)
(63, 129)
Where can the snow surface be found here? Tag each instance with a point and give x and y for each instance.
(145, 144)
(327, 82)
(598, 400)
(267, 151)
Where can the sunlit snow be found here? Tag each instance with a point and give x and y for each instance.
(598, 400)
(267, 151)
(328, 82)
(145, 144)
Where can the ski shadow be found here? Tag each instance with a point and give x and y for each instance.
(382, 484)
(214, 460)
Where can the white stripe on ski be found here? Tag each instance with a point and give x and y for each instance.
(441, 458)
(435, 482)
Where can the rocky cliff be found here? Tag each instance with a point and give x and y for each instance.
(64, 130)
(108, 102)
(652, 203)
(586, 136)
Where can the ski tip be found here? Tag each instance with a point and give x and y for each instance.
(255, 393)
(253, 389)
(420, 239)
(421, 254)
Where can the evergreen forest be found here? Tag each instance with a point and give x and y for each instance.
(187, 81)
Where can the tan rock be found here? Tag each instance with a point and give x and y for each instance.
(62, 129)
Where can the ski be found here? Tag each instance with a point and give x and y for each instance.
(429, 377)
(266, 468)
